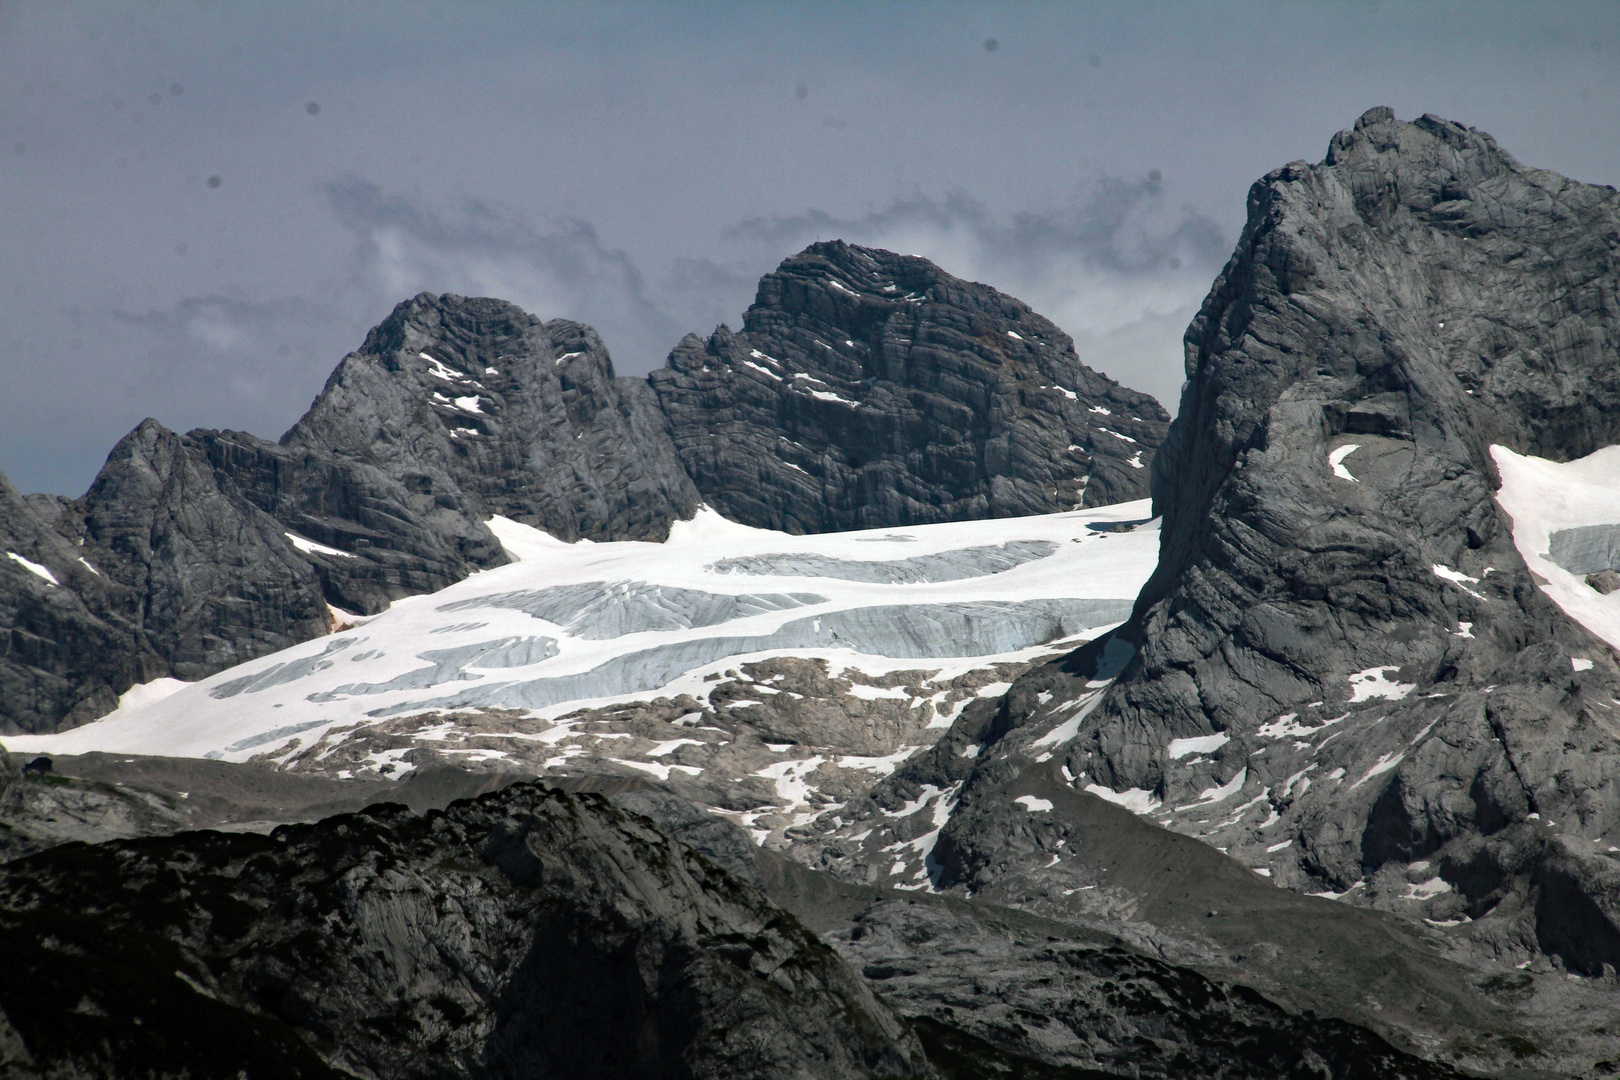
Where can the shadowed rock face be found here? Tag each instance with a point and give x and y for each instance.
(456, 409)
(868, 389)
(527, 933)
(66, 649)
(162, 568)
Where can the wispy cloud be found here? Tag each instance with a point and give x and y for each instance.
(1116, 267)
(558, 268)
(221, 360)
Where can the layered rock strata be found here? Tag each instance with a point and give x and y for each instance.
(1343, 672)
(868, 389)
(526, 933)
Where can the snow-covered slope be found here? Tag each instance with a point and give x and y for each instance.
(1566, 524)
(765, 672)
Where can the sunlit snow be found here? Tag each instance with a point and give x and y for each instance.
(34, 568)
(1576, 501)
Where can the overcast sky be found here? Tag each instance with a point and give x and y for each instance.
(206, 205)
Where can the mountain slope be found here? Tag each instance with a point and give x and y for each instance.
(1343, 671)
(526, 933)
(868, 389)
(67, 646)
(766, 675)
(222, 546)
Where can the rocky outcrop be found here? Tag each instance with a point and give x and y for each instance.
(868, 389)
(522, 418)
(162, 568)
(1342, 671)
(525, 933)
(216, 580)
(456, 409)
(68, 645)
(409, 924)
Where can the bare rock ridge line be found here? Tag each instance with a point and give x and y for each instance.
(1346, 678)
(868, 389)
(191, 553)
(550, 934)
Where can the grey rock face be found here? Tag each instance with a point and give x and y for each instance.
(1352, 682)
(217, 579)
(526, 933)
(456, 409)
(522, 418)
(868, 389)
(67, 647)
(162, 568)
(385, 535)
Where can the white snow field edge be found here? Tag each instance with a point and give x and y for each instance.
(572, 625)
(1545, 498)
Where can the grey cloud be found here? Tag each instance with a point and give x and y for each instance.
(1119, 226)
(559, 269)
(234, 362)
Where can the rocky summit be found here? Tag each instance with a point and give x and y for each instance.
(896, 753)
(868, 389)
(224, 546)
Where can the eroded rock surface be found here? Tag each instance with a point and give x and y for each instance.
(526, 933)
(1342, 671)
(868, 389)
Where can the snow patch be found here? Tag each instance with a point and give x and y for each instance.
(1336, 460)
(34, 568)
(439, 371)
(148, 693)
(1203, 744)
(1136, 800)
(1034, 805)
(1385, 763)
(1377, 683)
(1456, 577)
(309, 547)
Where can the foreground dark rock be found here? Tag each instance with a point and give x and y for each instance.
(527, 933)
(868, 389)
(460, 943)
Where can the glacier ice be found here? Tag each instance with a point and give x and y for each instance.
(902, 631)
(942, 566)
(599, 610)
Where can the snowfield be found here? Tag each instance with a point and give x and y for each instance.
(640, 654)
(1566, 524)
